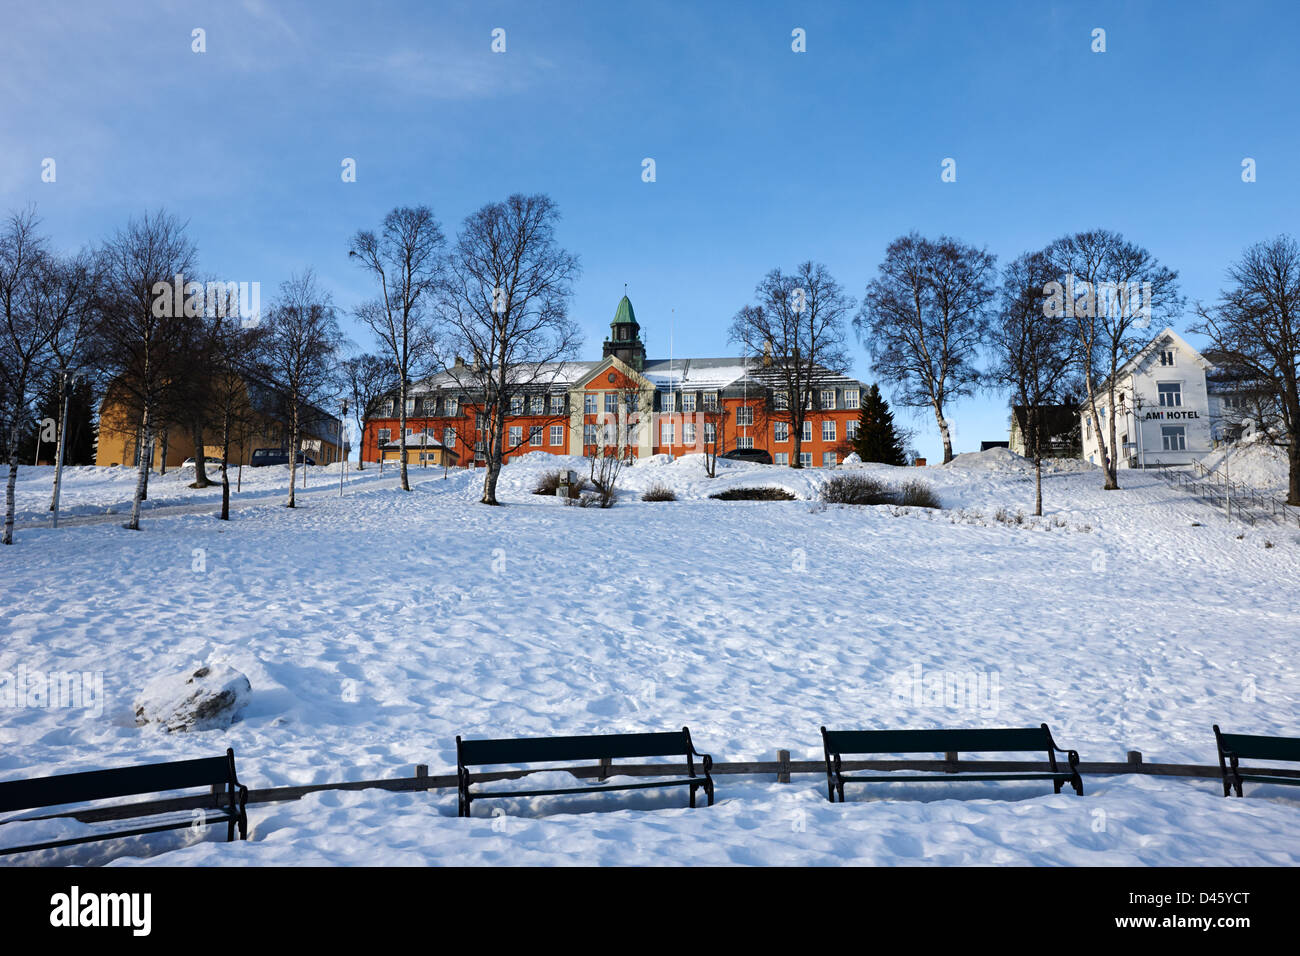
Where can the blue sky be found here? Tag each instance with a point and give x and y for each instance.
(764, 157)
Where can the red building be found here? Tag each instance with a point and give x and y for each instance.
(663, 406)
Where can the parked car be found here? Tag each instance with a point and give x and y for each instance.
(208, 462)
(274, 456)
(756, 455)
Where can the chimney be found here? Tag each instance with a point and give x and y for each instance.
(458, 362)
(767, 353)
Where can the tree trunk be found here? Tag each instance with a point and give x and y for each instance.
(796, 438)
(142, 469)
(1293, 479)
(405, 483)
(12, 483)
(943, 432)
(59, 445)
(495, 454)
(293, 452)
(162, 465)
(225, 477)
(200, 472)
(1112, 469)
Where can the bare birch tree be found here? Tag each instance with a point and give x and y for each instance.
(405, 260)
(925, 318)
(505, 304)
(1111, 292)
(1256, 325)
(798, 325)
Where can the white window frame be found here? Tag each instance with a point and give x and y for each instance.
(1178, 394)
(830, 459)
(828, 402)
(537, 405)
(557, 436)
(688, 433)
(780, 401)
(851, 429)
(588, 434)
(805, 459)
(1168, 358)
(668, 402)
(745, 415)
(828, 430)
(710, 401)
(781, 458)
(688, 402)
(807, 430)
(745, 441)
(515, 437)
(852, 398)
(1171, 432)
(535, 436)
(781, 432)
(516, 405)
(667, 433)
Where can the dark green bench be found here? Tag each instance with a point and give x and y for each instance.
(859, 743)
(213, 772)
(1236, 747)
(603, 748)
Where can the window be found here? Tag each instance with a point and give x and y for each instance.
(1173, 437)
(1171, 394)
(611, 402)
(589, 434)
(782, 458)
(630, 400)
(688, 433)
(828, 398)
(745, 415)
(851, 429)
(453, 405)
(449, 437)
(781, 432)
(829, 459)
(429, 405)
(851, 398)
(410, 406)
(557, 435)
(517, 405)
(780, 401)
(589, 406)
(479, 450)
(557, 404)
(710, 401)
(744, 441)
(1167, 357)
(668, 402)
(516, 436)
(480, 422)
(537, 405)
(386, 409)
(805, 459)
(828, 431)
(807, 431)
(535, 436)
(710, 433)
(666, 433)
(383, 435)
(688, 401)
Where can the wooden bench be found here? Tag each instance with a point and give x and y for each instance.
(837, 743)
(214, 772)
(1236, 747)
(603, 748)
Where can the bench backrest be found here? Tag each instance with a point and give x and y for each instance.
(121, 782)
(474, 753)
(1253, 747)
(937, 741)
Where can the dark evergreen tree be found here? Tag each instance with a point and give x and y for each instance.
(877, 438)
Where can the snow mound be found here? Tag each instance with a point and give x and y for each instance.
(1250, 463)
(1002, 460)
(208, 698)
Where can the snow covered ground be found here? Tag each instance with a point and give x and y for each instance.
(376, 627)
(1256, 464)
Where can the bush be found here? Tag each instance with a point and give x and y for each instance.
(917, 494)
(754, 494)
(856, 490)
(658, 493)
(549, 483)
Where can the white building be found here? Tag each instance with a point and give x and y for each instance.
(1166, 414)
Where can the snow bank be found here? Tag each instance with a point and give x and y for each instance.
(1256, 464)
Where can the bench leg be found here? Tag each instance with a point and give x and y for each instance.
(692, 788)
(708, 789)
(230, 830)
(1056, 786)
(1077, 783)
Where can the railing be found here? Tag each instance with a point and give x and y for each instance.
(780, 769)
(1242, 502)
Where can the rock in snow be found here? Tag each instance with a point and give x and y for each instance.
(206, 698)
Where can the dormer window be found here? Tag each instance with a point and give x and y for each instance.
(1166, 357)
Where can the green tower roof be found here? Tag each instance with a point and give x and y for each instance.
(625, 313)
